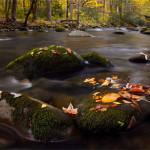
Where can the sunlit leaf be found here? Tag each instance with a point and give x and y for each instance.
(32, 53)
(43, 105)
(16, 94)
(106, 83)
(127, 102)
(55, 52)
(120, 123)
(97, 97)
(90, 80)
(125, 94)
(115, 78)
(136, 97)
(69, 50)
(96, 93)
(101, 80)
(110, 97)
(117, 103)
(0, 94)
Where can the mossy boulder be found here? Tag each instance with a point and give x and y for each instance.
(114, 119)
(59, 29)
(48, 61)
(119, 32)
(144, 29)
(94, 58)
(37, 120)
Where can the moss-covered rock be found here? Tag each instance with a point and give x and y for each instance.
(59, 29)
(113, 119)
(119, 32)
(144, 29)
(45, 122)
(53, 60)
(96, 59)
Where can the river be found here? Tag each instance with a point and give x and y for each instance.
(61, 91)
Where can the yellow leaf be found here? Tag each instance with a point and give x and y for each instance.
(43, 105)
(117, 103)
(127, 102)
(90, 80)
(106, 83)
(111, 97)
(96, 93)
(115, 78)
(103, 109)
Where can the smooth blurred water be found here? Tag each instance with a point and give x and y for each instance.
(60, 92)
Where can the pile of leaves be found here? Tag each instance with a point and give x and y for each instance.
(129, 93)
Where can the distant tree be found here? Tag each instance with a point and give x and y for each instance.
(49, 10)
(14, 9)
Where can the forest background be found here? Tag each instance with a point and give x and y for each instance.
(87, 12)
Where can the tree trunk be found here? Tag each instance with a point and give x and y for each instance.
(67, 11)
(24, 7)
(28, 14)
(49, 10)
(35, 11)
(6, 9)
(78, 15)
(14, 8)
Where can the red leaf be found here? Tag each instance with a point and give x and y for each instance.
(101, 80)
(136, 106)
(132, 123)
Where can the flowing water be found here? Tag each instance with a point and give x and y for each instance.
(60, 92)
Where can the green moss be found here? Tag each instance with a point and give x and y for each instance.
(59, 29)
(95, 58)
(47, 123)
(33, 64)
(107, 121)
(144, 29)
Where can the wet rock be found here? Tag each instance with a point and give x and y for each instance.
(94, 58)
(145, 30)
(139, 59)
(49, 61)
(114, 119)
(34, 119)
(78, 33)
(119, 32)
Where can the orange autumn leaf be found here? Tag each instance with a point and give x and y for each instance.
(136, 97)
(45, 48)
(127, 102)
(32, 53)
(97, 97)
(137, 89)
(136, 106)
(101, 80)
(97, 101)
(89, 80)
(111, 97)
(115, 78)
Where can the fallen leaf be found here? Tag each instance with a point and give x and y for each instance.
(132, 123)
(40, 49)
(115, 78)
(111, 97)
(127, 102)
(137, 89)
(16, 94)
(97, 97)
(43, 105)
(70, 109)
(90, 80)
(106, 83)
(69, 50)
(55, 52)
(116, 86)
(39, 52)
(146, 56)
(101, 80)
(97, 101)
(45, 48)
(136, 97)
(118, 103)
(96, 93)
(125, 94)
(32, 53)
(103, 109)
(136, 106)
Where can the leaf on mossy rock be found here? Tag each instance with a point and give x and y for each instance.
(132, 123)
(70, 109)
(45, 48)
(69, 50)
(55, 52)
(110, 97)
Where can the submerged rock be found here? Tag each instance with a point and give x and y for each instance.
(78, 33)
(37, 120)
(114, 119)
(94, 58)
(47, 61)
(119, 32)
